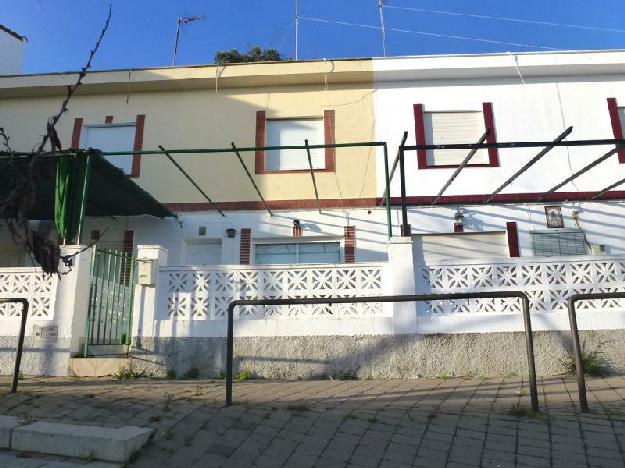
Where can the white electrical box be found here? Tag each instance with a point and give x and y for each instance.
(597, 249)
(146, 271)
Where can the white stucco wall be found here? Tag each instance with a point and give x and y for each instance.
(11, 54)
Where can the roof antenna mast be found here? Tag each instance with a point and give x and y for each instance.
(182, 20)
(381, 4)
(296, 29)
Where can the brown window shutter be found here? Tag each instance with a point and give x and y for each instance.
(350, 244)
(138, 146)
(329, 132)
(513, 239)
(245, 246)
(76, 132)
(259, 162)
(617, 126)
(489, 123)
(108, 119)
(129, 241)
(419, 129)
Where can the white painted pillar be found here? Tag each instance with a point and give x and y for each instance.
(144, 312)
(402, 281)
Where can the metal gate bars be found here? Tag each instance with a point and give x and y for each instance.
(109, 319)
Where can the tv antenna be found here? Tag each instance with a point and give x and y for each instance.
(296, 29)
(183, 20)
(381, 4)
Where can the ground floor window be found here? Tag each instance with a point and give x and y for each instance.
(200, 252)
(562, 242)
(297, 252)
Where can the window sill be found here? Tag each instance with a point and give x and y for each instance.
(455, 166)
(295, 171)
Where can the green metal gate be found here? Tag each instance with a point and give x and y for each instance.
(109, 319)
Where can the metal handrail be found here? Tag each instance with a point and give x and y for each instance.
(579, 365)
(529, 341)
(20, 339)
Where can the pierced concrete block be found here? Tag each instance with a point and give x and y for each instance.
(7, 424)
(102, 443)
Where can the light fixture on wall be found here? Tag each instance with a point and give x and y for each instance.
(231, 233)
(459, 221)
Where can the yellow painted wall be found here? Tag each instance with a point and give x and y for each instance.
(198, 115)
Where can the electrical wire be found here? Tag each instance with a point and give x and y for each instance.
(511, 20)
(431, 34)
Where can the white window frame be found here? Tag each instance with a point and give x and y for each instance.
(317, 155)
(480, 158)
(299, 240)
(112, 159)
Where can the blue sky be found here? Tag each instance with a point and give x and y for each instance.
(61, 32)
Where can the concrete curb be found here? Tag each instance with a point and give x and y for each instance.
(96, 442)
(12, 460)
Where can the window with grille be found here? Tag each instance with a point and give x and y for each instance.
(621, 114)
(294, 132)
(443, 128)
(111, 137)
(562, 242)
(293, 253)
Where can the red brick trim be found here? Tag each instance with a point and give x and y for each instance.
(617, 126)
(245, 246)
(489, 124)
(311, 204)
(297, 231)
(259, 141)
(129, 241)
(138, 146)
(513, 239)
(78, 121)
(329, 135)
(108, 119)
(350, 244)
(419, 128)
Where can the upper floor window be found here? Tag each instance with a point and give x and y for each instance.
(111, 137)
(449, 127)
(294, 132)
(617, 118)
(558, 243)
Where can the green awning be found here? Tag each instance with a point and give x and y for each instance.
(110, 192)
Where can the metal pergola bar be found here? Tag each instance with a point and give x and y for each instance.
(312, 175)
(249, 176)
(518, 144)
(393, 169)
(462, 165)
(585, 169)
(607, 189)
(530, 163)
(184, 173)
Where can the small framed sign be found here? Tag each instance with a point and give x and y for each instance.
(554, 217)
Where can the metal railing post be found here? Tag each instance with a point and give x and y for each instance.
(393, 298)
(405, 230)
(20, 339)
(577, 350)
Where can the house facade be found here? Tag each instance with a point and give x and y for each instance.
(265, 225)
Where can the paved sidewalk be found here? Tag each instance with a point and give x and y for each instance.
(429, 423)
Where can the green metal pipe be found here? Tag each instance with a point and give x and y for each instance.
(389, 224)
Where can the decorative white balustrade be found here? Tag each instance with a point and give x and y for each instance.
(199, 293)
(548, 282)
(31, 284)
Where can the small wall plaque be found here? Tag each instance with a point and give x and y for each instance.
(46, 333)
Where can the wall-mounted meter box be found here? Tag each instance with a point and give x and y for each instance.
(146, 271)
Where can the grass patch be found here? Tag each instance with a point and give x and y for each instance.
(519, 411)
(170, 374)
(594, 361)
(445, 376)
(126, 373)
(372, 419)
(243, 375)
(220, 375)
(168, 433)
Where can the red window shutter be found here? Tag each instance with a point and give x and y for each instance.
(108, 119)
(350, 244)
(76, 132)
(419, 128)
(245, 246)
(513, 239)
(138, 146)
(259, 142)
(489, 123)
(129, 242)
(330, 138)
(617, 126)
